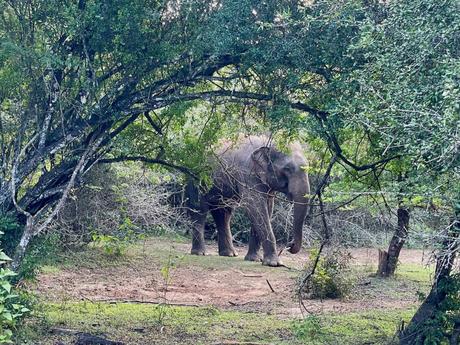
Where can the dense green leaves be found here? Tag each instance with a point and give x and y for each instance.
(11, 311)
(365, 80)
(408, 90)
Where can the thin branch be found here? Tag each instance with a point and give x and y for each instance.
(337, 207)
(319, 189)
(150, 161)
(159, 102)
(157, 128)
(69, 186)
(13, 175)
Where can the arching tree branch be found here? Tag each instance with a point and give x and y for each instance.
(182, 169)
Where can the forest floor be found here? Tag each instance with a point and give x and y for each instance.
(156, 293)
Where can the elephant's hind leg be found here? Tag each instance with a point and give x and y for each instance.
(254, 247)
(197, 210)
(198, 245)
(222, 218)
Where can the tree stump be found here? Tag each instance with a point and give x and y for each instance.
(383, 263)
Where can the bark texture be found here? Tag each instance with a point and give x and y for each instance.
(416, 332)
(388, 260)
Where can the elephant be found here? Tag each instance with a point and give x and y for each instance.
(248, 173)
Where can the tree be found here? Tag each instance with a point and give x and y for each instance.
(406, 96)
(74, 75)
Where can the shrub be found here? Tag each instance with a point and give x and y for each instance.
(42, 250)
(117, 204)
(11, 233)
(444, 326)
(333, 277)
(12, 311)
(116, 245)
(310, 328)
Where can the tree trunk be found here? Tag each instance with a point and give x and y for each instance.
(416, 331)
(32, 228)
(388, 261)
(23, 244)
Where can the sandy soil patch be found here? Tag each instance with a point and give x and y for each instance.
(246, 287)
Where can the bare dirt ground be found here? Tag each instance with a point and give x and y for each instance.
(145, 276)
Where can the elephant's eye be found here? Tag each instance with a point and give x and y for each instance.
(289, 168)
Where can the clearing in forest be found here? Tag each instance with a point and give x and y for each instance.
(156, 293)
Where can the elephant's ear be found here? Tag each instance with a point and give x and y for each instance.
(261, 159)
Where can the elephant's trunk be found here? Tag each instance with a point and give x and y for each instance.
(300, 198)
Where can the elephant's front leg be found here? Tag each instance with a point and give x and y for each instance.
(254, 241)
(259, 215)
(270, 205)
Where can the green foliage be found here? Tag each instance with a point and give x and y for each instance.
(310, 328)
(439, 329)
(406, 94)
(10, 227)
(116, 244)
(12, 311)
(333, 277)
(42, 251)
(367, 327)
(111, 245)
(8, 223)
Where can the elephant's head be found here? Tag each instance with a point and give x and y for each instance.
(285, 173)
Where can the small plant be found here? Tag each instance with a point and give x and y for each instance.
(11, 309)
(332, 277)
(166, 274)
(310, 328)
(115, 245)
(111, 245)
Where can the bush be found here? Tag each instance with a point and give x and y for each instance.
(444, 326)
(115, 245)
(11, 233)
(310, 328)
(12, 311)
(42, 250)
(333, 277)
(116, 205)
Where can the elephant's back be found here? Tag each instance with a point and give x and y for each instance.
(240, 150)
(234, 162)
